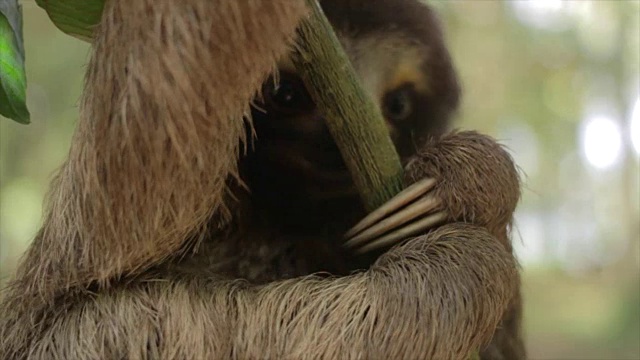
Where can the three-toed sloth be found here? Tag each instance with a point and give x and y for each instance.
(202, 211)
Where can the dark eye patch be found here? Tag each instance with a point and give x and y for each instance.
(288, 96)
(399, 104)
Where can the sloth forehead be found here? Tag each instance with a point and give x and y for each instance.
(383, 62)
(386, 61)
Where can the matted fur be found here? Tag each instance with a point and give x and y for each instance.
(161, 129)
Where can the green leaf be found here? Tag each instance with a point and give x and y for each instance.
(13, 80)
(74, 17)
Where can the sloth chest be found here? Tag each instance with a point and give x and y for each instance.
(264, 255)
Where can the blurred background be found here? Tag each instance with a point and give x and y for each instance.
(557, 81)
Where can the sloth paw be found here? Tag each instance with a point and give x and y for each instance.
(462, 177)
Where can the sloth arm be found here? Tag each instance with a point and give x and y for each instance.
(160, 132)
(436, 296)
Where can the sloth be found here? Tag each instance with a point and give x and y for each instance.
(205, 212)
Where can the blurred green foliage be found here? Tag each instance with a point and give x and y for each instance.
(536, 75)
(13, 82)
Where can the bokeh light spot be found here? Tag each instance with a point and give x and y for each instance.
(635, 126)
(542, 14)
(601, 142)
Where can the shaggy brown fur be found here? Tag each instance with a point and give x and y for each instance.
(495, 197)
(150, 230)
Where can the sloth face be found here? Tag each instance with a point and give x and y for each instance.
(403, 65)
(291, 134)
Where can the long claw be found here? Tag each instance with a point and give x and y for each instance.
(403, 198)
(412, 229)
(412, 211)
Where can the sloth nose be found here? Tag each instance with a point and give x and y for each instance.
(327, 153)
(311, 126)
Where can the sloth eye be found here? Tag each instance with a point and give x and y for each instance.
(288, 96)
(398, 104)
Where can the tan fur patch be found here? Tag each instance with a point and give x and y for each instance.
(385, 61)
(409, 71)
(382, 61)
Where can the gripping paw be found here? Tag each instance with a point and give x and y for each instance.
(464, 176)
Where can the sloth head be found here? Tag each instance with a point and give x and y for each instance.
(398, 52)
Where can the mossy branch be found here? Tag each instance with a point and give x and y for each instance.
(353, 119)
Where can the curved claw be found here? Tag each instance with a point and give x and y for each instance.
(403, 198)
(414, 228)
(412, 211)
(399, 218)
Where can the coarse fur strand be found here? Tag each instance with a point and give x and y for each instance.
(152, 176)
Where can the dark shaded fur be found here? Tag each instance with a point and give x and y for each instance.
(152, 247)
